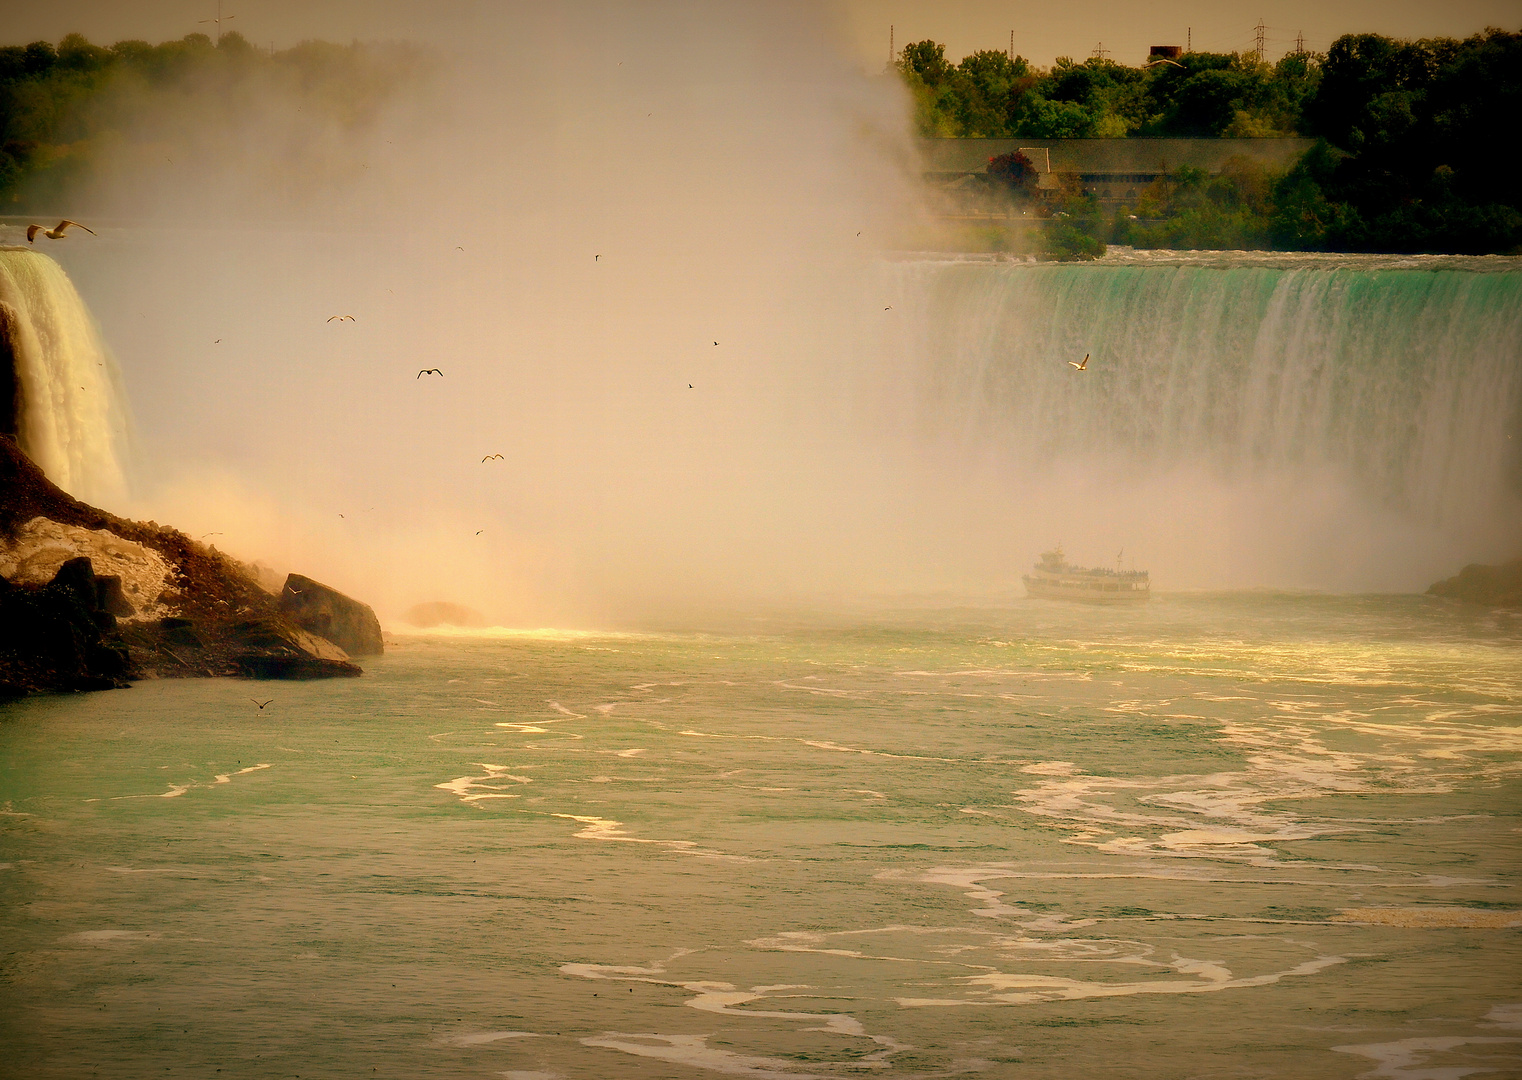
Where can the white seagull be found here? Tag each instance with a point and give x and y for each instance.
(1080, 367)
(54, 234)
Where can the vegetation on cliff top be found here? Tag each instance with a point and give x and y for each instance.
(64, 109)
(1415, 149)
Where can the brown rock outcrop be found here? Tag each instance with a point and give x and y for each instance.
(328, 613)
(191, 611)
(1493, 586)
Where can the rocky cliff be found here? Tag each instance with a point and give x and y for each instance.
(1493, 586)
(90, 600)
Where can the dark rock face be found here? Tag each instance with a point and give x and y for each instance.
(57, 637)
(65, 635)
(328, 613)
(1493, 586)
(110, 597)
(10, 383)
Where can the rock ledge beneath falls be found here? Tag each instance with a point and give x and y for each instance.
(1493, 586)
(90, 601)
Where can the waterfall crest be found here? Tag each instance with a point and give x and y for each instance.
(1393, 394)
(69, 407)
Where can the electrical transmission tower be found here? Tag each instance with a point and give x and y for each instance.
(1100, 52)
(1258, 41)
(1300, 43)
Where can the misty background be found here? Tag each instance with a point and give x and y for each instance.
(652, 251)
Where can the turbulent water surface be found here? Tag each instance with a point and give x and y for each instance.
(1245, 835)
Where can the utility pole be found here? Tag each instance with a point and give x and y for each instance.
(1258, 41)
(891, 53)
(219, 20)
(1012, 46)
(1189, 39)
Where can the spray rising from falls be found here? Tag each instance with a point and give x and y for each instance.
(1372, 411)
(65, 404)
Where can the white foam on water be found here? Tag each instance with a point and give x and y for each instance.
(520, 1074)
(226, 778)
(481, 1038)
(1505, 1016)
(474, 789)
(596, 828)
(1210, 977)
(694, 1050)
(1407, 1059)
(1223, 815)
(724, 998)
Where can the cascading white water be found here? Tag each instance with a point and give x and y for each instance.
(72, 418)
(1382, 402)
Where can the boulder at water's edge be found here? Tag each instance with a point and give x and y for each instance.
(328, 613)
(1493, 586)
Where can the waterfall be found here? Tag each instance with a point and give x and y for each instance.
(69, 413)
(1385, 403)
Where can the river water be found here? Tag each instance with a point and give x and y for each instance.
(1244, 834)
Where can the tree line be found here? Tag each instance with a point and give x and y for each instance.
(1417, 145)
(60, 106)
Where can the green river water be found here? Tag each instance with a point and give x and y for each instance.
(1226, 835)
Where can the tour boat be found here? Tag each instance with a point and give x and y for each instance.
(1053, 579)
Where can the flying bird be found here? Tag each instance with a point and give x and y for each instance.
(689, 386)
(342, 318)
(596, 257)
(480, 531)
(259, 703)
(1080, 367)
(488, 457)
(715, 342)
(429, 371)
(54, 234)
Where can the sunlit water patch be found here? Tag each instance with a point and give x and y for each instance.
(1246, 835)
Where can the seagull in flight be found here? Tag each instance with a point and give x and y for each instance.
(261, 704)
(488, 457)
(342, 318)
(54, 234)
(1080, 367)
(429, 371)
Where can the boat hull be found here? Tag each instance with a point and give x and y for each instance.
(1086, 592)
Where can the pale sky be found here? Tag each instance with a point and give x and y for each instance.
(1042, 30)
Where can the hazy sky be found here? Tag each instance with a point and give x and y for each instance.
(1042, 31)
